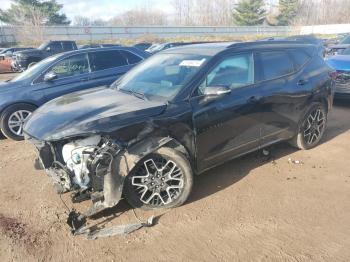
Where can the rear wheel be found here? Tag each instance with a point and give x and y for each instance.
(311, 128)
(163, 179)
(13, 119)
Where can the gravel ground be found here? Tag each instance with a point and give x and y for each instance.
(250, 209)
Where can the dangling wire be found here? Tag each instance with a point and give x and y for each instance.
(64, 203)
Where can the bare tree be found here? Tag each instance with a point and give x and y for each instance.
(86, 21)
(144, 15)
(30, 28)
(313, 12)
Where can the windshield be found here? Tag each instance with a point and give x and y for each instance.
(345, 41)
(3, 51)
(43, 46)
(155, 47)
(162, 75)
(35, 69)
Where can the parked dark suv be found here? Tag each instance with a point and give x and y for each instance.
(59, 75)
(179, 113)
(24, 59)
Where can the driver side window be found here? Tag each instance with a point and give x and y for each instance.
(71, 66)
(233, 72)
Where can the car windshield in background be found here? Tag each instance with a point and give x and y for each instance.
(37, 68)
(43, 46)
(162, 76)
(345, 41)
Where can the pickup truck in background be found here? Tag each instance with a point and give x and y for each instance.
(24, 59)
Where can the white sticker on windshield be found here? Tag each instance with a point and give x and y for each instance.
(193, 63)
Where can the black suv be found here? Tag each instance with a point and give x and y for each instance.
(179, 113)
(24, 59)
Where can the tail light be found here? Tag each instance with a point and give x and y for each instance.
(333, 75)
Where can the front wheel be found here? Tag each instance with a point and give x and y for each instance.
(162, 179)
(311, 128)
(13, 119)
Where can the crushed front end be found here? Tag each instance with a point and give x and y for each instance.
(84, 166)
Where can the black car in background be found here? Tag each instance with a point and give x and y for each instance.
(24, 59)
(155, 48)
(178, 113)
(59, 75)
(9, 52)
(142, 46)
(97, 46)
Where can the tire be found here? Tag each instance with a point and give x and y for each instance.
(311, 128)
(17, 114)
(31, 64)
(141, 193)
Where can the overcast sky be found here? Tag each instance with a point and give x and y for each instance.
(104, 9)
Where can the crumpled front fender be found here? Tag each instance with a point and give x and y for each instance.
(121, 166)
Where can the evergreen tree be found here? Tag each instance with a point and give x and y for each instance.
(288, 10)
(22, 11)
(249, 12)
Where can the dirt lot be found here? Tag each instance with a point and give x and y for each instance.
(249, 209)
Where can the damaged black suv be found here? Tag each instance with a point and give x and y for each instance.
(179, 113)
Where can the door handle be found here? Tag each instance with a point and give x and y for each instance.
(84, 79)
(252, 100)
(302, 82)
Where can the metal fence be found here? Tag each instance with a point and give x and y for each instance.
(9, 34)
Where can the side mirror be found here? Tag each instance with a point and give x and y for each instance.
(216, 90)
(50, 76)
(48, 49)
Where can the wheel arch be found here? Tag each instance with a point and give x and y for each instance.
(127, 159)
(17, 103)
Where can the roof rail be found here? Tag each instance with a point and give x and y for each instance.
(267, 42)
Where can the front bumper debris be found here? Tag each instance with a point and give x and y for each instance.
(95, 233)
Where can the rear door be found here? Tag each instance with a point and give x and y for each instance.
(72, 75)
(284, 89)
(107, 66)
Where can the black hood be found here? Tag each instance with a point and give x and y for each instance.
(100, 110)
(31, 52)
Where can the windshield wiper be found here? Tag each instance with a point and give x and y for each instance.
(134, 93)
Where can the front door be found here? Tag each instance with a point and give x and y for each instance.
(72, 74)
(228, 125)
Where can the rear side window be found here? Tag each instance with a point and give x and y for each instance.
(132, 58)
(274, 64)
(67, 46)
(300, 58)
(56, 47)
(106, 59)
